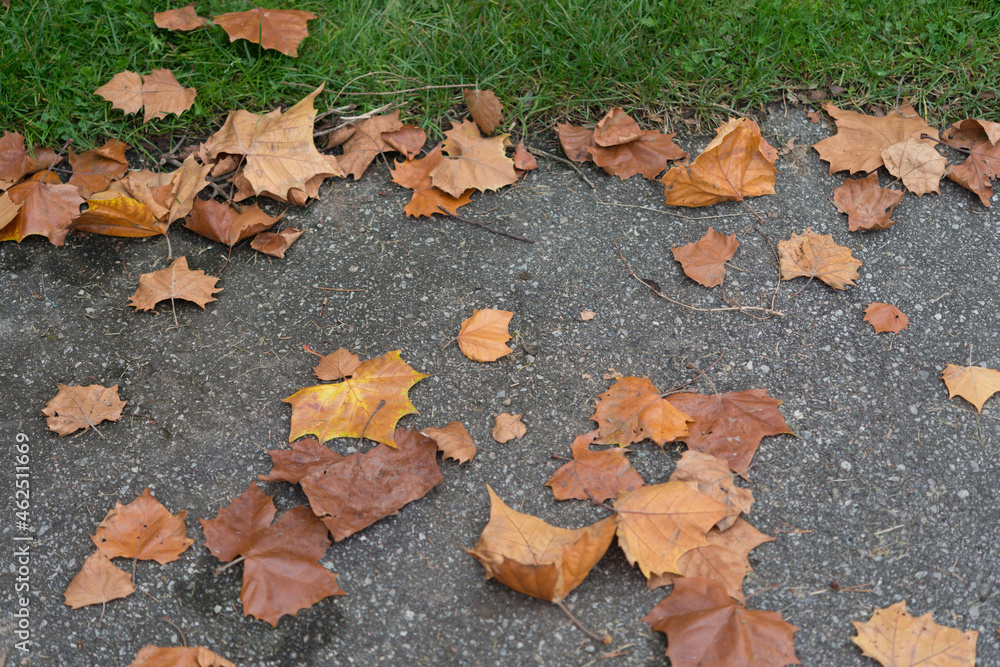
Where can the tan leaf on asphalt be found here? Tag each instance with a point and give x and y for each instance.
(818, 256)
(885, 317)
(176, 281)
(976, 384)
(705, 260)
(508, 427)
(866, 204)
(144, 530)
(473, 162)
(918, 165)
(453, 441)
(97, 582)
(76, 407)
(896, 639)
(484, 335)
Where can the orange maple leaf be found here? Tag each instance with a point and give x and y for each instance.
(616, 128)
(276, 244)
(408, 140)
(866, 204)
(737, 164)
(75, 407)
(279, 29)
(576, 141)
(453, 441)
(176, 281)
(47, 208)
(484, 336)
(885, 317)
(918, 165)
(705, 260)
(981, 138)
(473, 161)
(896, 639)
(485, 108)
(861, 140)
(366, 142)
(97, 582)
(121, 216)
(369, 403)
(633, 410)
(815, 255)
(976, 384)
(227, 225)
(338, 365)
(427, 200)
(159, 92)
(713, 478)
(508, 427)
(94, 169)
(593, 475)
(178, 656)
(647, 155)
(281, 570)
(144, 529)
(535, 558)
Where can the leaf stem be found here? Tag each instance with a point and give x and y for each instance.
(219, 570)
(499, 232)
(606, 639)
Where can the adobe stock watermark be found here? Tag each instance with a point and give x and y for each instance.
(23, 536)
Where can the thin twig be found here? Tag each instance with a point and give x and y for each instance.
(378, 407)
(606, 639)
(219, 570)
(694, 379)
(486, 227)
(566, 162)
(676, 215)
(410, 90)
(347, 120)
(166, 619)
(340, 289)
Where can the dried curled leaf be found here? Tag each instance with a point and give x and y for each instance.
(815, 255)
(705, 260)
(427, 200)
(122, 216)
(178, 656)
(866, 204)
(575, 141)
(408, 140)
(47, 208)
(97, 582)
(975, 384)
(918, 165)
(453, 441)
(485, 108)
(484, 336)
(276, 244)
(616, 128)
(535, 558)
(981, 138)
(896, 639)
(633, 410)
(860, 139)
(647, 155)
(94, 169)
(144, 530)
(715, 480)
(367, 141)
(473, 162)
(225, 224)
(76, 407)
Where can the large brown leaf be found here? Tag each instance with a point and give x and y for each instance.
(647, 155)
(897, 639)
(75, 407)
(473, 161)
(97, 582)
(860, 139)
(813, 255)
(94, 169)
(705, 260)
(535, 558)
(227, 225)
(730, 425)
(280, 155)
(427, 200)
(918, 165)
(176, 281)
(657, 524)
(981, 139)
(351, 493)
(866, 204)
(593, 475)
(369, 403)
(279, 29)
(976, 384)
(366, 142)
(144, 529)
(715, 480)
(737, 164)
(281, 570)
(633, 410)
(47, 209)
(159, 92)
(178, 656)
(704, 626)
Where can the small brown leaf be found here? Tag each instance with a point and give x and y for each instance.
(981, 138)
(453, 441)
(75, 407)
(279, 29)
(523, 159)
(97, 582)
(593, 475)
(183, 19)
(866, 204)
(705, 261)
(896, 639)
(575, 141)
(144, 529)
(616, 128)
(917, 164)
(647, 155)
(633, 410)
(225, 224)
(885, 317)
(94, 169)
(366, 142)
(427, 200)
(14, 159)
(338, 365)
(817, 256)
(714, 479)
(587, 315)
(508, 427)
(976, 384)
(408, 140)
(484, 336)
(178, 656)
(473, 162)
(176, 281)
(47, 208)
(485, 108)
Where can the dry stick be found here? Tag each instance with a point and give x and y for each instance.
(219, 570)
(777, 261)
(166, 619)
(378, 407)
(566, 162)
(694, 379)
(676, 215)
(174, 309)
(499, 232)
(742, 309)
(347, 120)
(369, 74)
(340, 289)
(606, 639)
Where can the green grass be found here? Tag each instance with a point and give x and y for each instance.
(547, 59)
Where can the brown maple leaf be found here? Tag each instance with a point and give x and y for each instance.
(633, 410)
(705, 261)
(593, 475)
(535, 558)
(484, 107)
(918, 165)
(366, 142)
(279, 29)
(94, 169)
(305, 457)
(704, 626)
(713, 478)
(730, 425)
(866, 204)
(367, 405)
(976, 384)
(508, 427)
(281, 570)
(75, 407)
(484, 336)
(453, 441)
(278, 148)
(183, 18)
(861, 140)
(473, 161)
(176, 281)
(351, 493)
(170, 195)
(276, 244)
(158, 92)
(896, 639)
(817, 256)
(97, 582)
(427, 200)
(144, 529)
(647, 155)
(338, 365)
(724, 559)
(616, 128)
(981, 139)
(738, 163)
(47, 208)
(576, 141)
(15, 162)
(225, 224)
(178, 656)
(523, 159)
(885, 317)
(657, 524)
(121, 216)
(408, 140)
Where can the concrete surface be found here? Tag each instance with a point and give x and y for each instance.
(888, 483)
